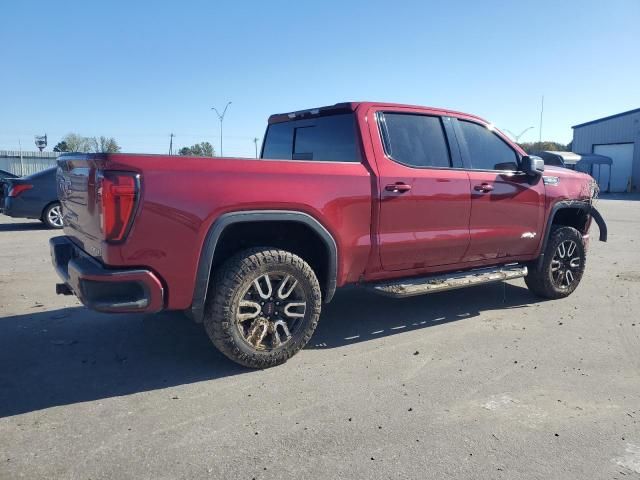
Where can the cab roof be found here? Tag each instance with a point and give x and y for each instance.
(347, 107)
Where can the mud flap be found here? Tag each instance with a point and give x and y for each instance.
(595, 214)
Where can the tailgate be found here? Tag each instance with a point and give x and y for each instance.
(76, 183)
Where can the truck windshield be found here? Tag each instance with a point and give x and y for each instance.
(331, 139)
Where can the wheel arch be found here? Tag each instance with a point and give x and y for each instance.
(572, 213)
(227, 221)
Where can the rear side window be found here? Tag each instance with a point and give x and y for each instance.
(278, 141)
(415, 140)
(486, 149)
(331, 139)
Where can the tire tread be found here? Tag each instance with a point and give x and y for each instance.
(538, 279)
(219, 317)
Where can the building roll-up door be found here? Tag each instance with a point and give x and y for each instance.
(622, 156)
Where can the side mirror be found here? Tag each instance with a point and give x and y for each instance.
(532, 165)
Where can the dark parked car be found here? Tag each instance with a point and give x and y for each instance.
(4, 175)
(34, 196)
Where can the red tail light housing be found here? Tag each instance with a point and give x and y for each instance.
(19, 188)
(118, 193)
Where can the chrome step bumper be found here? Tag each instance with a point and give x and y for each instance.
(449, 281)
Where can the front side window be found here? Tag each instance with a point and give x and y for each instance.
(332, 139)
(415, 140)
(486, 150)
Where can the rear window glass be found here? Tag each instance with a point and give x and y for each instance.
(331, 139)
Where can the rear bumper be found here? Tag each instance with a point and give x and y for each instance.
(15, 207)
(104, 289)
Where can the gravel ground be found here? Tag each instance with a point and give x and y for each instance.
(484, 383)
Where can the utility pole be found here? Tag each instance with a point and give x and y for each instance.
(21, 163)
(255, 142)
(541, 112)
(221, 118)
(171, 135)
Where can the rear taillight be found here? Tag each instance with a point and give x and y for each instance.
(16, 190)
(118, 195)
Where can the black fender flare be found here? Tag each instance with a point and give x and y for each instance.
(574, 204)
(205, 263)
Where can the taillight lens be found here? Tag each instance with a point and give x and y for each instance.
(118, 199)
(16, 190)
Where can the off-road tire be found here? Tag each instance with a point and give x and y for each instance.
(226, 290)
(540, 278)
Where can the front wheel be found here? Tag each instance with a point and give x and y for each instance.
(263, 307)
(561, 269)
(52, 216)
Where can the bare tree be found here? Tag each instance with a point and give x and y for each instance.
(105, 145)
(73, 142)
(77, 143)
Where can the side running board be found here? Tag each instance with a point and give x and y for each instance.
(408, 287)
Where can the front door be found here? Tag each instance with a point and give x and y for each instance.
(424, 203)
(506, 208)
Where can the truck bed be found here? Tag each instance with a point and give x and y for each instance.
(181, 197)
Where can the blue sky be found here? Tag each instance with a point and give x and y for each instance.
(140, 70)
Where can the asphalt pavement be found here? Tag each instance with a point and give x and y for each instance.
(482, 383)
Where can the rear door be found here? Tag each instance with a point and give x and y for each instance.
(506, 208)
(424, 202)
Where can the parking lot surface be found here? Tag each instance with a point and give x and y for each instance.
(483, 383)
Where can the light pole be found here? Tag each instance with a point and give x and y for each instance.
(541, 112)
(221, 118)
(517, 137)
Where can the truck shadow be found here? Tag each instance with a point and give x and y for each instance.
(71, 355)
(358, 315)
(22, 227)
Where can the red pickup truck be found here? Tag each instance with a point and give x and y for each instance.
(403, 200)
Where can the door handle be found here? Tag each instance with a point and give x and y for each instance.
(484, 187)
(398, 187)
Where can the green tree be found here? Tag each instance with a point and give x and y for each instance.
(532, 147)
(202, 149)
(61, 147)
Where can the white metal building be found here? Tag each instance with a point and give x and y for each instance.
(25, 163)
(616, 137)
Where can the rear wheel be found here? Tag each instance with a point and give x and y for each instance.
(263, 307)
(560, 272)
(52, 216)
